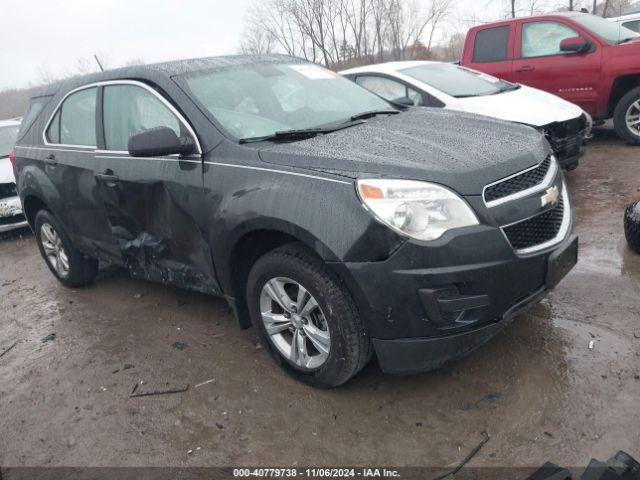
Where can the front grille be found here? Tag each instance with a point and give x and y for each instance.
(536, 230)
(8, 190)
(12, 219)
(516, 184)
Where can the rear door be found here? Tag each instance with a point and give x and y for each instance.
(541, 64)
(492, 50)
(154, 205)
(68, 159)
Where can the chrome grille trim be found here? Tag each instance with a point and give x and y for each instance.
(546, 182)
(562, 232)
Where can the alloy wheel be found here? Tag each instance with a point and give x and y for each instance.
(633, 118)
(295, 323)
(54, 251)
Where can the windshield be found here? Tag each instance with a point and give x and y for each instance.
(260, 100)
(609, 31)
(458, 81)
(8, 137)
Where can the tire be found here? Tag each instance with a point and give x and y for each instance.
(632, 226)
(80, 270)
(629, 104)
(334, 314)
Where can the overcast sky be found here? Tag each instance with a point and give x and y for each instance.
(50, 36)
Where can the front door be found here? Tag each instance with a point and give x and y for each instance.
(541, 64)
(154, 205)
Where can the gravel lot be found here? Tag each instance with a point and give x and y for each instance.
(537, 388)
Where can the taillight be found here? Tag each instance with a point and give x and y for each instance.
(12, 158)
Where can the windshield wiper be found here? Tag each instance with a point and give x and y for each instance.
(373, 113)
(509, 88)
(299, 134)
(625, 40)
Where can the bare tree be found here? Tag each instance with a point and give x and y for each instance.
(257, 41)
(336, 32)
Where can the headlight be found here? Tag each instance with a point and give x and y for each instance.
(420, 210)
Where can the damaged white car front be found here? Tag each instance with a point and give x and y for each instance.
(11, 215)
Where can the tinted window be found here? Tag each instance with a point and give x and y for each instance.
(35, 107)
(389, 89)
(75, 121)
(129, 109)
(457, 81)
(491, 44)
(540, 39)
(633, 25)
(53, 134)
(262, 99)
(8, 137)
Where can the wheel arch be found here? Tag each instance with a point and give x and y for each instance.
(253, 241)
(619, 89)
(31, 205)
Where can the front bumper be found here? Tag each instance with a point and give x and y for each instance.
(11, 215)
(567, 139)
(427, 305)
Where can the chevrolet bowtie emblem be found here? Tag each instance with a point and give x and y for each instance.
(551, 196)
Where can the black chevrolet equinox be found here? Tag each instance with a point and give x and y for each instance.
(337, 223)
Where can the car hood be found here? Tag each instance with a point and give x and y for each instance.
(6, 171)
(460, 150)
(525, 105)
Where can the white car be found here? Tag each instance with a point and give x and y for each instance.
(11, 215)
(629, 20)
(446, 85)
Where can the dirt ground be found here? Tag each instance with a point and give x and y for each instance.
(537, 388)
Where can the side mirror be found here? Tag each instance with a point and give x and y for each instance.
(575, 45)
(159, 141)
(406, 101)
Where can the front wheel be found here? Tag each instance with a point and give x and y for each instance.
(66, 263)
(626, 117)
(307, 317)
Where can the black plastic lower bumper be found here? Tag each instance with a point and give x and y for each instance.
(428, 305)
(407, 356)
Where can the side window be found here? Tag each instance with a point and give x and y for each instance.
(415, 96)
(35, 107)
(389, 89)
(431, 101)
(130, 109)
(540, 39)
(632, 25)
(491, 44)
(75, 121)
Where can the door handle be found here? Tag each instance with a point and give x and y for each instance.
(526, 68)
(107, 179)
(51, 160)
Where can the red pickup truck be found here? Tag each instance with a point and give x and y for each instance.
(582, 58)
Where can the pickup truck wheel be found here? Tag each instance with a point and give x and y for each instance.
(626, 117)
(66, 263)
(632, 226)
(307, 318)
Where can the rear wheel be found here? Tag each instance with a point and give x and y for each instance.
(626, 117)
(68, 264)
(632, 226)
(307, 317)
